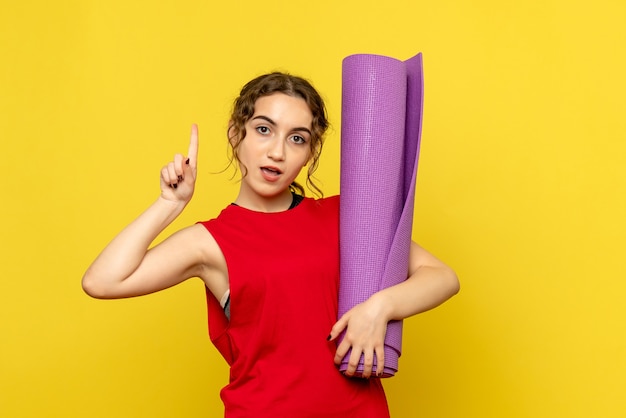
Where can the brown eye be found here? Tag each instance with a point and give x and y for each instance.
(297, 139)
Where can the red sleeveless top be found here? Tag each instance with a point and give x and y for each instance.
(283, 270)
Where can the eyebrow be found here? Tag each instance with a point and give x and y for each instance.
(271, 122)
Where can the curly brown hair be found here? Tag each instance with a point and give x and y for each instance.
(277, 82)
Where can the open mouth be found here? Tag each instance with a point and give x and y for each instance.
(272, 171)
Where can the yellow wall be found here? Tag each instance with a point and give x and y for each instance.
(521, 188)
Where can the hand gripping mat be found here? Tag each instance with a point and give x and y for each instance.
(382, 101)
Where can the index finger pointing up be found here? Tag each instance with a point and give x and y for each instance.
(192, 154)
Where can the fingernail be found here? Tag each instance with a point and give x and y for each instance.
(328, 338)
(187, 161)
(175, 186)
(180, 178)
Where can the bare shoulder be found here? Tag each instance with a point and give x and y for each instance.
(202, 241)
(213, 269)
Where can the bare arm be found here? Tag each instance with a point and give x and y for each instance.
(127, 268)
(430, 282)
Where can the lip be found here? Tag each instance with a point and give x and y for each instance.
(271, 173)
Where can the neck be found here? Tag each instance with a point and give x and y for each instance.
(278, 203)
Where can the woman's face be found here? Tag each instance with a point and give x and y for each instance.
(276, 145)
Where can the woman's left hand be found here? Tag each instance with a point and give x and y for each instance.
(365, 325)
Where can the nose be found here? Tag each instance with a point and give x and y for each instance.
(276, 150)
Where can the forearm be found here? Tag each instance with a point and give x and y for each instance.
(121, 257)
(430, 282)
(426, 288)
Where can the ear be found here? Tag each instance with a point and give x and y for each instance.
(231, 137)
(311, 156)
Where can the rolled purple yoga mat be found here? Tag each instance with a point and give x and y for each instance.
(380, 134)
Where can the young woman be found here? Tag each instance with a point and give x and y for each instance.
(270, 263)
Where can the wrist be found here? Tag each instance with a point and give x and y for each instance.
(172, 205)
(382, 305)
(169, 209)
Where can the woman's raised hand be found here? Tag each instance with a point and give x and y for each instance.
(178, 178)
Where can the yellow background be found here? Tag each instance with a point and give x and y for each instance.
(521, 189)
